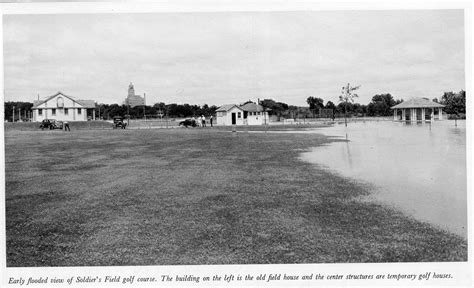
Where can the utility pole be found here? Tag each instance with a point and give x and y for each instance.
(144, 104)
(264, 115)
(128, 113)
(19, 114)
(13, 118)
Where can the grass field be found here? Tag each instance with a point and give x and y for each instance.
(195, 196)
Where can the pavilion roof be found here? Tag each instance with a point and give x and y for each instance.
(418, 103)
(252, 107)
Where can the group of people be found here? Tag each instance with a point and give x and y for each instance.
(201, 121)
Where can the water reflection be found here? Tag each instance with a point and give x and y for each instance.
(417, 168)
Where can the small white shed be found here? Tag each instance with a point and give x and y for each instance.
(247, 114)
(230, 114)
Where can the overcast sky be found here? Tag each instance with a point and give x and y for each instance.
(231, 57)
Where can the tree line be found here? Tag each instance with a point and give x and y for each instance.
(158, 110)
(108, 111)
(455, 104)
(378, 106)
(20, 108)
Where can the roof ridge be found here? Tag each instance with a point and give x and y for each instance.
(36, 103)
(418, 102)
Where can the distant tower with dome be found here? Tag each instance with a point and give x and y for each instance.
(131, 90)
(132, 99)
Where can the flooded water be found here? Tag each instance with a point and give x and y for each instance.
(419, 171)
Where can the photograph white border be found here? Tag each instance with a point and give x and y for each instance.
(462, 271)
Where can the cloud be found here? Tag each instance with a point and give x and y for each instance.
(219, 58)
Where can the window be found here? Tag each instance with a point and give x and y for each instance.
(79, 111)
(66, 111)
(239, 115)
(40, 112)
(60, 102)
(53, 112)
(258, 113)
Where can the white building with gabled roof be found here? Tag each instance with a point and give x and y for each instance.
(246, 114)
(63, 108)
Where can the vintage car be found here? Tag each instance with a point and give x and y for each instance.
(188, 122)
(51, 124)
(119, 123)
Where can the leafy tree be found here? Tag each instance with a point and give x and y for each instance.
(292, 112)
(359, 109)
(455, 102)
(315, 104)
(160, 106)
(212, 109)
(348, 107)
(116, 110)
(380, 105)
(347, 95)
(276, 108)
(173, 109)
(330, 105)
(23, 106)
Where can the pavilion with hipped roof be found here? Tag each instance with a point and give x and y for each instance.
(417, 109)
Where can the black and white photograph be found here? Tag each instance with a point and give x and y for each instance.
(236, 139)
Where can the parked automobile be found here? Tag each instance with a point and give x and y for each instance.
(51, 124)
(188, 122)
(119, 123)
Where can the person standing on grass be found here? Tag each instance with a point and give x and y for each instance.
(203, 121)
(210, 120)
(66, 126)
